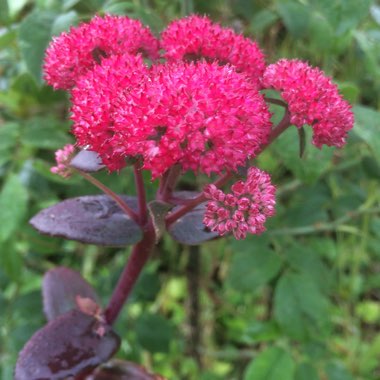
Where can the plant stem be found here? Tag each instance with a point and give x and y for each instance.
(111, 194)
(193, 289)
(140, 188)
(139, 256)
(175, 215)
(281, 126)
(168, 183)
(172, 217)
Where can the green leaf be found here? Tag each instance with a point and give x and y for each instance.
(8, 135)
(261, 332)
(147, 287)
(314, 161)
(44, 133)
(299, 306)
(295, 16)
(272, 364)
(154, 332)
(306, 371)
(367, 128)
(252, 266)
(11, 260)
(307, 261)
(13, 201)
(63, 22)
(336, 371)
(262, 20)
(34, 36)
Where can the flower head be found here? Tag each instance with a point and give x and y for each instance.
(243, 211)
(196, 37)
(63, 158)
(312, 99)
(96, 100)
(72, 54)
(203, 116)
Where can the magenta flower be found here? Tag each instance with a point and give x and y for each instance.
(203, 116)
(196, 37)
(72, 54)
(63, 158)
(96, 101)
(312, 99)
(243, 211)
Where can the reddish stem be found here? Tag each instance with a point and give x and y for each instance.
(131, 272)
(168, 183)
(140, 188)
(172, 217)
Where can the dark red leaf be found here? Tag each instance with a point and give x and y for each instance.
(189, 229)
(87, 161)
(122, 370)
(60, 288)
(95, 219)
(69, 345)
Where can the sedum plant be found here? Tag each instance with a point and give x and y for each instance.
(196, 99)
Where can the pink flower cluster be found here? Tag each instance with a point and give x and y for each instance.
(243, 211)
(96, 102)
(312, 99)
(202, 116)
(196, 105)
(72, 54)
(195, 37)
(63, 157)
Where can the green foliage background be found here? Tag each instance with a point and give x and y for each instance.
(301, 302)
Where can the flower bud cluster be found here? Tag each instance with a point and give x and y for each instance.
(63, 157)
(243, 211)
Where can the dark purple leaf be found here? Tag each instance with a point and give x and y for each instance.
(158, 211)
(93, 219)
(69, 345)
(87, 161)
(189, 229)
(60, 288)
(122, 370)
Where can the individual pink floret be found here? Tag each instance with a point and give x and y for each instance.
(243, 211)
(95, 102)
(312, 99)
(205, 117)
(73, 53)
(63, 158)
(195, 37)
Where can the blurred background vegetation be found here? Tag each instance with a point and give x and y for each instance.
(302, 301)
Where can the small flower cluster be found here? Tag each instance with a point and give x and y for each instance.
(312, 99)
(243, 211)
(192, 99)
(63, 157)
